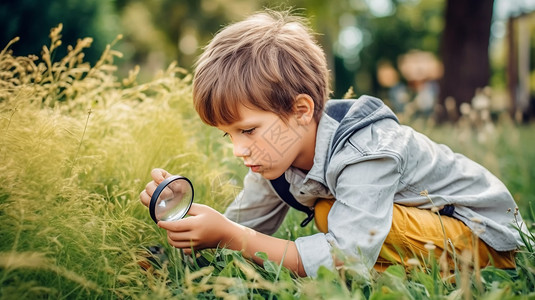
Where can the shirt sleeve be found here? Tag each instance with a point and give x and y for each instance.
(257, 206)
(360, 218)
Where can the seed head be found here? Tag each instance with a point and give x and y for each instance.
(430, 246)
(413, 262)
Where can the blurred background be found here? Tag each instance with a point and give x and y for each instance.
(424, 57)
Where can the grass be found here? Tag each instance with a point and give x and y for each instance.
(76, 148)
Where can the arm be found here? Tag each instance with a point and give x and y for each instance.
(207, 228)
(359, 219)
(257, 206)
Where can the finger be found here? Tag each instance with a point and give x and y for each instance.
(144, 198)
(166, 193)
(182, 236)
(175, 226)
(159, 175)
(151, 187)
(180, 186)
(182, 244)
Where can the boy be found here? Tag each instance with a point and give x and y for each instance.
(264, 83)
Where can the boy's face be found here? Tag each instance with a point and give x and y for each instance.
(267, 144)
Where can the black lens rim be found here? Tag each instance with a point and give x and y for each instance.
(159, 190)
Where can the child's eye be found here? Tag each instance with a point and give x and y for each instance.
(225, 134)
(248, 131)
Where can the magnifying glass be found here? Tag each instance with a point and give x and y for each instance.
(172, 199)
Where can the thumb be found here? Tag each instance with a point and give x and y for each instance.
(197, 209)
(167, 225)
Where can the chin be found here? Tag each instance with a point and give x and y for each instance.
(270, 175)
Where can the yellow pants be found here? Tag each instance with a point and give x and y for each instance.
(415, 232)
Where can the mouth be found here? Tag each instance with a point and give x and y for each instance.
(254, 168)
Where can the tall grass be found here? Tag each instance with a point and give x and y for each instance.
(76, 148)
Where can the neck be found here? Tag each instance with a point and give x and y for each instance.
(305, 159)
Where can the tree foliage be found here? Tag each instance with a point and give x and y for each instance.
(31, 20)
(357, 35)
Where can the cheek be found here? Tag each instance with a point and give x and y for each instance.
(275, 156)
(281, 138)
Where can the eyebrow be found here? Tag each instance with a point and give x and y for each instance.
(247, 125)
(242, 125)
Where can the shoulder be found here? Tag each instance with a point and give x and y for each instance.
(384, 135)
(382, 140)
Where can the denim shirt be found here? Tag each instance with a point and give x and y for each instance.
(377, 163)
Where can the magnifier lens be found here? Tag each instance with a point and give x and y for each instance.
(171, 199)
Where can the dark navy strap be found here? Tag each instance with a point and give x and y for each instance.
(282, 187)
(447, 210)
(338, 108)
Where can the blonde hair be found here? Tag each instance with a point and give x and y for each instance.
(263, 62)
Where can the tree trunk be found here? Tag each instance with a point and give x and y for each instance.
(465, 53)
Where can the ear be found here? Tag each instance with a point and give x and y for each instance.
(303, 108)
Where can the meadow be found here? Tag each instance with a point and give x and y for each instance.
(77, 144)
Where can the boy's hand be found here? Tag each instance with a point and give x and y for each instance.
(205, 228)
(158, 175)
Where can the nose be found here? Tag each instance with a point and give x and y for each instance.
(241, 150)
